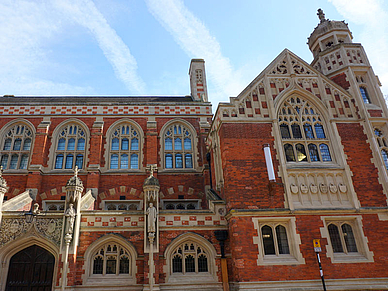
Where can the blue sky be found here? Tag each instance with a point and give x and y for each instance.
(134, 47)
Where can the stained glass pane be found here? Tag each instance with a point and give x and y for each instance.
(325, 153)
(124, 265)
(313, 151)
(296, 133)
(308, 130)
(385, 158)
(289, 151)
(285, 131)
(14, 162)
(301, 153)
(202, 263)
(4, 161)
(319, 130)
(97, 265)
(177, 264)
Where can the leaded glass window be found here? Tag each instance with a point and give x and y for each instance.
(111, 259)
(16, 147)
(275, 241)
(189, 257)
(342, 238)
(302, 131)
(70, 147)
(124, 147)
(178, 147)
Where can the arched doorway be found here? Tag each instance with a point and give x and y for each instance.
(31, 269)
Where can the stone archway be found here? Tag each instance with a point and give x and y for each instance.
(31, 269)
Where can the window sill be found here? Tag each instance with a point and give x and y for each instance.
(15, 171)
(278, 260)
(313, 165)
(190, 277)
(350, 258)
(109, 280)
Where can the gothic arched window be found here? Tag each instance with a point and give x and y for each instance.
(383, 145)
(16, 147)
(111, 259)
(189, 257)
(342, 238)
(303, 132)
(178, 147)
(275, 241)
(125, 145)
(70, 147)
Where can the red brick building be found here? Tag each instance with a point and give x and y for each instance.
(156, 193)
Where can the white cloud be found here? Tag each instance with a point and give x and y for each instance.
(195, 39)
(372, 15)
(85, 13)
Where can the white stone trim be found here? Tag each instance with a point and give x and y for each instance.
(355, 221)
(295, 257)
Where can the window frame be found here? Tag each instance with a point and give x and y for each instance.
(109, 153)
(173, 153)
(19, 153)
(200, 277)
(297, 113)
(91, 279)
(289, 223)
(65, 153)
(355, 222)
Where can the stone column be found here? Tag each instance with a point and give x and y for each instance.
(71, 223)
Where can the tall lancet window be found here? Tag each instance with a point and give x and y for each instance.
(303, 132)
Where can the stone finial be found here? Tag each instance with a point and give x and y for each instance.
(76, 170)
(321, 15)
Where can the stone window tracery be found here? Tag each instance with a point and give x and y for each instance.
(16, 147)
(342, 238)
(111, 259)
(383, 145)
(303, 132)
(189, 257)
(70, 147)
(125, 147)
(178, 147)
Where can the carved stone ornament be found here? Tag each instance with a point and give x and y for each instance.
(222, 211)
(333, 188)
(323, 188)
(304, 189)
(342, 187)
(313, 188)
(12, 228)
(294, 189)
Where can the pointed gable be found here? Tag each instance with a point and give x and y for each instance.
(287, 72)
